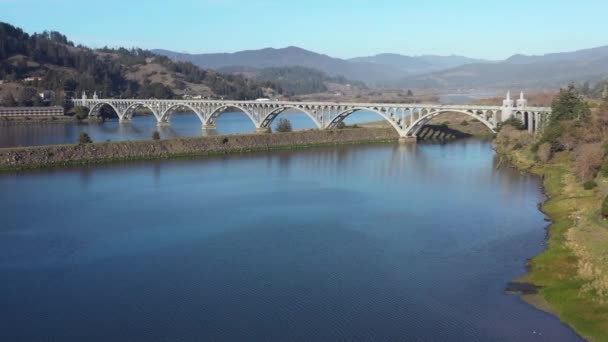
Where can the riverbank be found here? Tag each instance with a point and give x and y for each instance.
(25, 120)
(58, 155)
(572, 273)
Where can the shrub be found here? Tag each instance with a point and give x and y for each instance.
(518, 146)
(355, 126)
(513, 122)
(544, 152)
(552, 135)
(604, 169)
(464, 123)
(341, 125)
(155, 135)
(84, 138)
(509, 137)
(81, 113)
(590, 184)
(605, 207)
(284, 125)
(588, 159)
(445, 123)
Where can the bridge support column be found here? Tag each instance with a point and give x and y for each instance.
(124, 119)
(262, 130)
(209, 126)
(408, 140)
(163, 124)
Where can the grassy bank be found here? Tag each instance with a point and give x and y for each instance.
(23, 158)
(572, 272)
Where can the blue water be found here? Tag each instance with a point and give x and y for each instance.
(142, 127)
(375, 242)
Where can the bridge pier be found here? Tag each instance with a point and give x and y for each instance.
(209, 127)
(124, 120)
(163, 124)
(262, 130)
(408, 140)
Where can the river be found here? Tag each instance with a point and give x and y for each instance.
(370, 242)
(142, 127)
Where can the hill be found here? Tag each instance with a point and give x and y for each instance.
(373, 70)
(290, 56)
(547, 71)
(296, 80)
(49, 61)
(419, 64)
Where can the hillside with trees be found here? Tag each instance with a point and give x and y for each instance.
(295, 80)
(30, 64)
(571, 155)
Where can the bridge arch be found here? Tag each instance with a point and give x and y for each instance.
(128, 113)
(165, 116)
(417, 125)
(94, 109)
(217, 112)
(394, 121)
(273, 114)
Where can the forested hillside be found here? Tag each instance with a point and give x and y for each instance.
(49, 61)
(295, 80)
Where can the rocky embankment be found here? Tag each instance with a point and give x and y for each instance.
(53, 155)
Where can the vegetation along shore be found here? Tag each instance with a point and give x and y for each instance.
(572, 273)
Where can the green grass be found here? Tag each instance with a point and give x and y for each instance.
(556, 269)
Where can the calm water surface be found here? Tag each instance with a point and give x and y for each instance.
(142, 127)
(375, 242)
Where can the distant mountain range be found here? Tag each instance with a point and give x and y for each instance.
(290, 56)
(372, 70)
(531, 72)
(427, 71)
(419, 64)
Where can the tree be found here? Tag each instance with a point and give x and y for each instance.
(605, 92)
(27, 96)
(155, 135)
(410, 93)
(84, 138)
(8, 100)
(284, 125)
(513, 122)
(569, 105)
(81, 113)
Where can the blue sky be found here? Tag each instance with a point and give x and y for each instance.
(340, 28)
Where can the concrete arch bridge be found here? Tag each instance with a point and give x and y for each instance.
(406, 118)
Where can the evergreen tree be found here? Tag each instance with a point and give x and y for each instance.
(569, 105)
